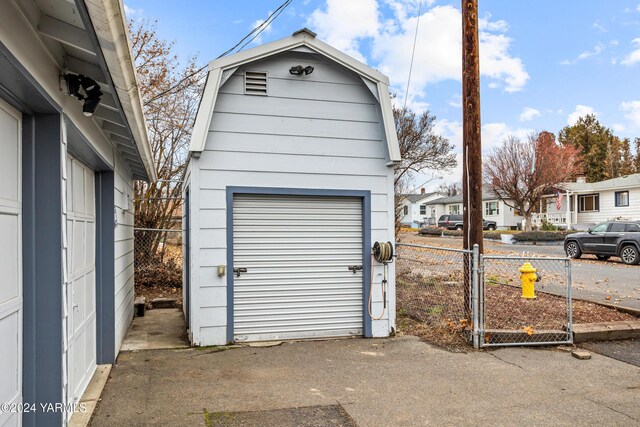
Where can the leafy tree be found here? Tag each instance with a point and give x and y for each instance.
(636, 143)
(170, 90)
(599, 151)
(421, 150)
(522, 172)
(627, 161)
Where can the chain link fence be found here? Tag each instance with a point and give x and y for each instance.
(514, 312)
(158, 257)
(452, 297)
(433, 293)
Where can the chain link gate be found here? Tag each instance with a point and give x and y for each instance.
(481, 297)
(514, 312)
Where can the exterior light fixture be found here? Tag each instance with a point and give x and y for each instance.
(298, 70)
(86, 90)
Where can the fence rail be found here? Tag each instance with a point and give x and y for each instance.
(459, 295)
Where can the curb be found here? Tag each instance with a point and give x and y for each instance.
(606, 331)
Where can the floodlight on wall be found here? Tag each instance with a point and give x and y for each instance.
(85, 89)
(298, 70)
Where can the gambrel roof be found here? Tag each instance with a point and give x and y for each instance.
(304, 40)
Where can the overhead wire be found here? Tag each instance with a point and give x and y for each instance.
(413, 54)
(255, 33)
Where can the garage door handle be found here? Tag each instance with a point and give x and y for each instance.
(239, 270)
(355, 268)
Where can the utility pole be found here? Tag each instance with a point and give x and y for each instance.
(471, 156)
(472, 147)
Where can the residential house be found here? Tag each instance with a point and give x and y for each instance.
(289, 183)
(584, 204)
(414, 209)
(493, 209)
(66, 199)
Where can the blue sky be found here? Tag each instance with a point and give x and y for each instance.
(543, 63)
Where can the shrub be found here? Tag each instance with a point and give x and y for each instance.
(494, 235)
(547, 226)
(540, 236)
(431, 231)
(458, 233)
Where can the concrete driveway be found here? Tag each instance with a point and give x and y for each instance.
(387, 382)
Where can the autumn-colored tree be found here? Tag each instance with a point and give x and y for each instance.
(522, 172)
(170, 90)
(422, 150)
(627, 160)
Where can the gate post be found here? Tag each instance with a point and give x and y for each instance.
(475, 273)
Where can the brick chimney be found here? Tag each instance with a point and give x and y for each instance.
(422, 191)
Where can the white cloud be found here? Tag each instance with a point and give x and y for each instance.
(638, 8)
(343, 24)
(580, 111)
(598, 26)
(618, 127)
(494, 134)
(597, 50)
(132, 13)
(455, 101)
(529, 114)
(438, 51)
(631, 111)
(633, 57)
(265, 31)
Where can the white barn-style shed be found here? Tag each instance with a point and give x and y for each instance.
(289, 183)
(66, 192)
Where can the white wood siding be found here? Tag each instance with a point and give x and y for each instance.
(609, 210)
(124, 293)
(322, 131)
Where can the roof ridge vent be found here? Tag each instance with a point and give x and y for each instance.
(305, 30)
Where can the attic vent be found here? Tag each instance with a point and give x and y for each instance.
(255, 83)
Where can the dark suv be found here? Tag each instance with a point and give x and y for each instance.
(621, 239)
(454, 222)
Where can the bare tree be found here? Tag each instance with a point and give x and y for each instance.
(170, 92)
(450, 188)
(522, 172)
(422, 150)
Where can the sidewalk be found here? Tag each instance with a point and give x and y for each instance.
(390, 382)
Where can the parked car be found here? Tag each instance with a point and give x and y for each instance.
(454, 222)
(616, 238)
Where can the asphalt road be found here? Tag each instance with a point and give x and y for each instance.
(606, 282)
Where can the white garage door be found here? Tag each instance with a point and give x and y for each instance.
(10, 263)
(297, 251)
(81, 281)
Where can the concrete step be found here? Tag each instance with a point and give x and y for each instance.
(606, 331)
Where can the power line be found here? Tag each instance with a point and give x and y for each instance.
(413, 53)
(255, 33)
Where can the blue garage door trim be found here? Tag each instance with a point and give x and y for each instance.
(366, 241)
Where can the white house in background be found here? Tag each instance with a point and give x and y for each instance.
(493, 209)
(289, 183)
(414, 208)
(584, 204)
(66, 200)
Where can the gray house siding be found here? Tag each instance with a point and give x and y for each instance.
(321, 131)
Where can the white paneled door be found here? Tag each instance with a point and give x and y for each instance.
(297, 262)
(10, 263)
(81, 278)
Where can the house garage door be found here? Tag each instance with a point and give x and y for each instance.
(297, 251)
(81, 281)
(10, 263)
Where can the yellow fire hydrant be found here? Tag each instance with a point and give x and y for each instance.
(528, 277)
